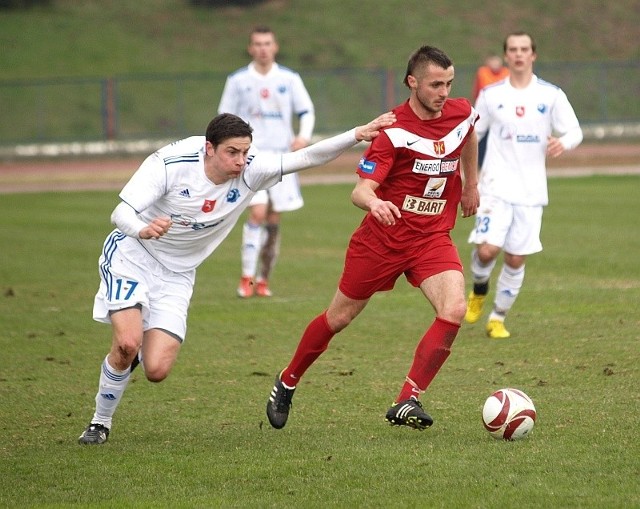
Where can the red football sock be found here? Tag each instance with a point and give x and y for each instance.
(432, 351)
(314, 341)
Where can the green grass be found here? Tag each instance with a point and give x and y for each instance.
(200, 439)
(93, 38)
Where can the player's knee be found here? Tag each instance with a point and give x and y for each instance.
(455, 311)
(339, 321)
(487, 253)
(126, 348)
(155, 373)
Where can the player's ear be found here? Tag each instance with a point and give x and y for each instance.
(412, 81)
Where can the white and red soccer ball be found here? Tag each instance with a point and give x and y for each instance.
(508, 414)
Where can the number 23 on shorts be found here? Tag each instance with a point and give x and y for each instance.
(482, 224)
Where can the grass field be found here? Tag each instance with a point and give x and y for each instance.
(94, 38)
(201, 439)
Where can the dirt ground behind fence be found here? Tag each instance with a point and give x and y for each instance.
(30, 175)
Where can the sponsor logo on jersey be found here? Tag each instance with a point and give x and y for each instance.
(185, 193)
(423, 206)
(208, 205)
(202, 226)
(520, 111)
(448, 165)
(427, 166)
(366, 166)
(435, 187)
(267, 114)
(434, 166)
(542, 108)
(438, 147)
(409, 143)
(528, 138)
(192, 222)
(508, 131)
(233, 195)
(183, 220)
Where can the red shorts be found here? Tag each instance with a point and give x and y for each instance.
(371, 266)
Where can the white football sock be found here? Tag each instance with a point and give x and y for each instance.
(110, 389)
(253, 236)
(507, 290)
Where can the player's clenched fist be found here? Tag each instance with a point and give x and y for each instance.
(156, 228)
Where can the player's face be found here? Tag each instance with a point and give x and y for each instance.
(227, 160)
(430, 88)
(263, 48)
(519, 54)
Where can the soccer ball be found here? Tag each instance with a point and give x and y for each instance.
(508, 414)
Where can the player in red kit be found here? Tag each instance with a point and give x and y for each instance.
(410, 183)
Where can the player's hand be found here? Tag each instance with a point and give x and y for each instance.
(469, 201)
(372, 129)
(298, 143)
(554, 147)
(156, 228)
(385, 212)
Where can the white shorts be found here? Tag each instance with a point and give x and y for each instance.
(130, 276)
(514, 228)
(285, 196)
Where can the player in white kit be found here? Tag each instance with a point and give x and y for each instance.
(174, 212)
(268, 95)
(527, 119)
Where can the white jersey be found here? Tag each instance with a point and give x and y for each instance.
(171, 182)
(267, 103)
(519, 121)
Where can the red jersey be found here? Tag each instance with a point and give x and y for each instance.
(416, 163)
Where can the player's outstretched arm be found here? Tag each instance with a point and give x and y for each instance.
(328, 149)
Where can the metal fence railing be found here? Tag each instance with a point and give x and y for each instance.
(130, 107)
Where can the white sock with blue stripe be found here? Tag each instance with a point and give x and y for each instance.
(112, 384)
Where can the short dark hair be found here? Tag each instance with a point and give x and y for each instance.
(261, 29)
(423, 56)
(226, 126)
(519, 33)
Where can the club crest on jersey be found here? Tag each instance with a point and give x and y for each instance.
(438, 147)
(520, 111)
(208, 205)
(233, 195)
(264, 93)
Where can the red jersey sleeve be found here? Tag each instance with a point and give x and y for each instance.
(377, 160)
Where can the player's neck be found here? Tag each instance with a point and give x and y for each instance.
(521, 79)
(421, 111)
(263, 68)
